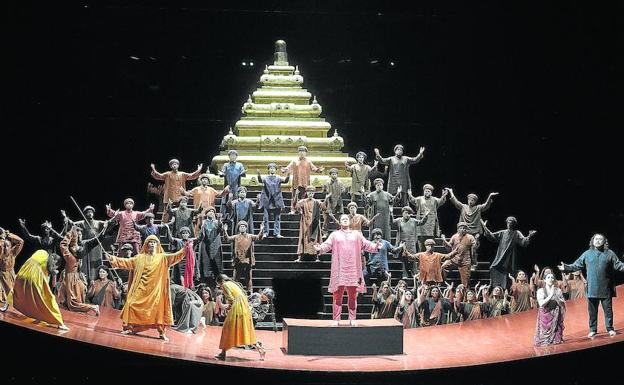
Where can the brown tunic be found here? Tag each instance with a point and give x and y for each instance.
(309, 225)
(357, 221)
(301, 169)
(9, 249)
(174, 180)
(359, 178)
(430, 265)
(520, 297)
(73, 290)
(243, 248)
(111, 292)
(576, 288)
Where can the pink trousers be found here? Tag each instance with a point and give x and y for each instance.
(351, 301)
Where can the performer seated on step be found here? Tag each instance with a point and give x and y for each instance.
(187, 308)
(238, 329)
(209, 308)
(105, 292)
(497, 303)
(434, 307)
(377, 265)
(149, 303)
(243, 259)
(407, 310)
(384, 302)
(469, 309)
(346, 246)
(31, 294)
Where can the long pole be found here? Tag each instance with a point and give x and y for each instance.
(96, 237)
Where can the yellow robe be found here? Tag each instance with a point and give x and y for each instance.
(238, 329)
(31, 293)
(148, 303)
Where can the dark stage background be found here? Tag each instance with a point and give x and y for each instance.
(516, 98)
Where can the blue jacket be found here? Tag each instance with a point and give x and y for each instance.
(599, 267)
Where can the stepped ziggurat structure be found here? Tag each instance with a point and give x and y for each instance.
(276, 119)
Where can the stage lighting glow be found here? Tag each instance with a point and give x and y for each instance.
(244, 64)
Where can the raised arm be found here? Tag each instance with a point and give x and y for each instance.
(259, 176)
(195, 174)
(417, 158)
(378, 157)
(27, 234)
(616, 263)
(17, 243)
(524, 241)
(488, 201)
(155, 174)
(176, 257)
(121, 263)
(454, 199)
(577, 265)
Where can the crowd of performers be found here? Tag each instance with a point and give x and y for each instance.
(153, 288)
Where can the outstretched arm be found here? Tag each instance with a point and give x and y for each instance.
(378, 157)
(27, 234)
(488, 201)
(155, 174)
(417, 158)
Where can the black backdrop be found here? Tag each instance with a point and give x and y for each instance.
(516, 98)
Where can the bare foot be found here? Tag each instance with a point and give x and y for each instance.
(163, 337)
(220, 356)
(317, 260)
(297, 260)
(63, 327)
(127, 332)
(334, 323)
(97, 310)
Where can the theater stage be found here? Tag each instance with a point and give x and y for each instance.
(504, 339)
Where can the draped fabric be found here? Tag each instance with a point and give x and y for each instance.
(238, 329)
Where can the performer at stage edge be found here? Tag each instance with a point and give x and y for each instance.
(550, 315)
(346, 266)
(385, 301)
(148, 305)
(175, 182)
(31, 294)
(379, 203)
(575, 285)
(407, 311)
(471, 215)
(470, 309)
(271, 199)
(497, 304)
(204, 195)
(209, 239)
(126, 220)
(10, 246)
(238, 329)
(300, 170)
(104, 291)
(427, 204)
(508, 241)
(90, 228)
(360, 176)
(243, 258)
(398, 174)
(436, 310)
(599, 262)
(334, 189)
(309, 224)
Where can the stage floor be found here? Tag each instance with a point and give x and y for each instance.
(501, 339)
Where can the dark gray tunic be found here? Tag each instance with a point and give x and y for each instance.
(599, 267)
(381, 202)
(398, 174)
(210, 258)
(431, 227)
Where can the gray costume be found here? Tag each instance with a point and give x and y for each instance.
(381, 202)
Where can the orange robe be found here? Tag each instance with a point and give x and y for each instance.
(238, 329)
(207, 197)
(173, 182)
(9, 249)
(111, 293)
(73, 291)
(148, 304)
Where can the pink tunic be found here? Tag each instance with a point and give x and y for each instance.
(346, 263)
(127, 233)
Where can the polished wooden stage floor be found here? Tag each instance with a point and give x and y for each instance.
(502, 339)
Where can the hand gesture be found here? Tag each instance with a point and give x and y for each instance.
(510, 276)
(169, 201)
(409, 192)
(225, 227)
(321, 169)
(22, 222)
(374, 286)
(376, 151)
(151, 207)
(108, 207)
(317, 247)
(536, 268)
(422, 150)
(493, 194)
(561, 266)
(362, 190)
(258, 171)
(445, 192)
(199, 166)
(399, 189)
(531, 232)
(153, 167)
(63, 214)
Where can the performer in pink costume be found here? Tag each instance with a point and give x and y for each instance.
(346, 266)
